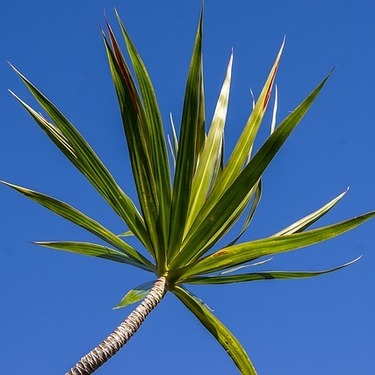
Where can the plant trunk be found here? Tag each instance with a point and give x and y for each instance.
(122, 334)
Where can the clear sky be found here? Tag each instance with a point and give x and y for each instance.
(56, 306)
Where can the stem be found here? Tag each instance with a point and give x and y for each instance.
(122, 334)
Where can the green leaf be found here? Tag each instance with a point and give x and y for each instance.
(255, 202)
(136, 294)
(67, 138)
(248, 251)
(221, 333)
(218, 214)
(92, 249)
(237, 268)
(245, 142)
(265, 275)
(187, 148)
(158, 149)
(201, 122)
(220, 166)
(128, 233)
(174, 143)
(80, 219)
(211, 152)
(138, 140)
(274, 111)
(302, 224)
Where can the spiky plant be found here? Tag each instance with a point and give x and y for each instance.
(185, 209)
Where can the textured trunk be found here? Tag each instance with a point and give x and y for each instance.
(122, 334)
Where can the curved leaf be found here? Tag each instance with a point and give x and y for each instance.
(264, 275)
(247, 138)
(221, 333)
(217, 215)
(67, 138)
(92, 249)
(248, 251)
(80, 219)
(248, 265)
(302, 224)
(274, 110)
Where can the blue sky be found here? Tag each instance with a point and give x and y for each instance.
(56, 306)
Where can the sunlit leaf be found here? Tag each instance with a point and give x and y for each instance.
(246, 252)
(238, 268)
(211, 152)
(70, 213)
(245, 142)
(217, 216)
(264, 275)
(230, 344)
(310, 219)
(77, 150)
(175, 139)
(126, 234)
(92, 249)
(181, 220)
(274, 111)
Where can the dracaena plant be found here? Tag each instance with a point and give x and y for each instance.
(188, 197)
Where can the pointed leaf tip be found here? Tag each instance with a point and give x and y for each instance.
(263, 275)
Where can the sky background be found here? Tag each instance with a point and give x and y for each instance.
(56, 306)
